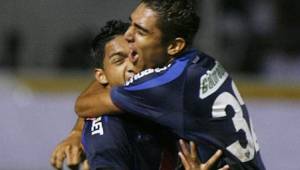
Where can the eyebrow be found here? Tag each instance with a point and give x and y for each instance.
(116, 53)
(139, 26)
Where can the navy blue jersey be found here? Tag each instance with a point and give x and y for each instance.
(196, 99)
(116, 143)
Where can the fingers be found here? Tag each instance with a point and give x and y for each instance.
(188, 155)
(193, 148)
(76, 152)
(85, 165)
(57, 159)
(190, 160)
(184, 147)
(225, 167)
(184, 161)
(213, 159)
(53, 157)
(73, 154)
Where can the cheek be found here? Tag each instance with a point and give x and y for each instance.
(117, 75)
(151, 50)
(149, 47)
(155, 54)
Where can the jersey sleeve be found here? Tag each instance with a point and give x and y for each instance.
(156, 94)
(152, 95)
(143, 103)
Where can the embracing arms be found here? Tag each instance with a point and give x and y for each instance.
(95, 101)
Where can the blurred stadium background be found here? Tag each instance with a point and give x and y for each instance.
(44, 64)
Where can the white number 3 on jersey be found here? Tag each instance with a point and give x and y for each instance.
(218, 110)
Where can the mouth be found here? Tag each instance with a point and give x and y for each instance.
(133, 55)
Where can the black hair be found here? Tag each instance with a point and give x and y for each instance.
(177, 18)
(108, 32)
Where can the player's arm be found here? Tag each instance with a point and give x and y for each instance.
(70, 148)
(95, 101)
(190, 160)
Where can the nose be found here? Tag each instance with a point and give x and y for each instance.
(129, 34)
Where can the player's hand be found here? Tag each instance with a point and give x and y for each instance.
(69, 149)
(85, 165)
(190, 160)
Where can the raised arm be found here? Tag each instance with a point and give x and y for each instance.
(95, 101)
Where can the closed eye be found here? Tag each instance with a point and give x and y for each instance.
(141, 32)
(117, 59)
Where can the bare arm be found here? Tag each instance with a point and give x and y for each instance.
(95, 101)
(78, 125)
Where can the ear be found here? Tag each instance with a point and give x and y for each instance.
(100, 76)
(176, 46)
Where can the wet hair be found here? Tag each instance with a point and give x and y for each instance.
(177, 18)
(111, 30)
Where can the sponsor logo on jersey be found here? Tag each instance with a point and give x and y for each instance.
(212, 80)
(144, 73)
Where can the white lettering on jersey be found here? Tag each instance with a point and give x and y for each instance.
(144, 73)
(212, 80)
(97, 127)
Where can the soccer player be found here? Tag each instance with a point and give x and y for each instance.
(185, 91)
(111, 141)
(114, 142)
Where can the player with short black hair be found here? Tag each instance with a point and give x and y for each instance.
(116, 142)
(191, 95)
(112, 29)
(178, 15)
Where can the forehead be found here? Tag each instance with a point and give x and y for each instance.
(144, 16)
(116, 45)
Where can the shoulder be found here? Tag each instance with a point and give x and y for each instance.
(159, 76)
